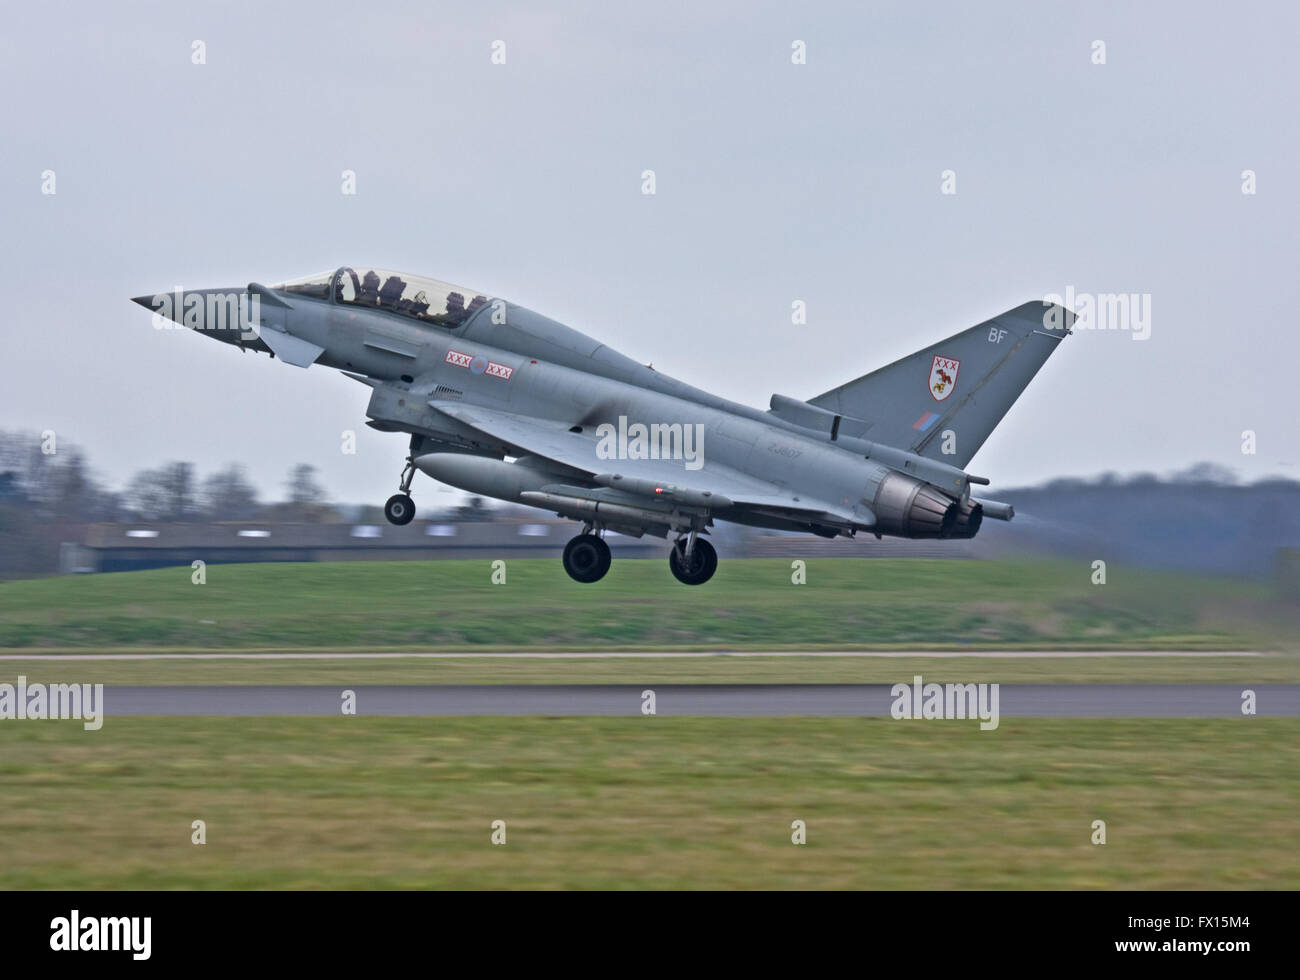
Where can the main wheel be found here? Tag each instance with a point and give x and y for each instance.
(586, 558)
(400, 509)
(703, 563)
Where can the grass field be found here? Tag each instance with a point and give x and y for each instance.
(847, 604)
(649, 803)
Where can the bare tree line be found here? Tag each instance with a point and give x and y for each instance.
(48, 490)
(47, 497)
(60, 485)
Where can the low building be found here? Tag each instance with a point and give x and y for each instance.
(131, 547)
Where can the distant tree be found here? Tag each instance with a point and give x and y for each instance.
(44, 495)
(1066, 485)
(178, 479)
(14, 447)
(164, 494)
(111, 505)
(20, 454)
(475, 510)
(1206, 473)
(57, 486)
(73, 494)
(303, 487)
(227, 495)
(146, 497)
(307, 499)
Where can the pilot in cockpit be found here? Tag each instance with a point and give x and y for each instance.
(391, 293)
(369, 292)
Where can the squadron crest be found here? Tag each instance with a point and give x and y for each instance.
(943, 376)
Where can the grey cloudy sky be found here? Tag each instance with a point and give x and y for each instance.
(775, 182)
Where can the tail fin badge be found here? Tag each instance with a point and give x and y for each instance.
(943, 376)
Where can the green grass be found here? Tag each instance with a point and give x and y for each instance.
(849, 604)
(649, 803)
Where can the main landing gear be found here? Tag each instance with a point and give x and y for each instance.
(692, 560)
(400, 508)
(587, 557)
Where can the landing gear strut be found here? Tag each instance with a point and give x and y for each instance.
(587, 557)
(693, 560)
(400, 508)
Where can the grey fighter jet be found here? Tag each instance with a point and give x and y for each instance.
(506, 403)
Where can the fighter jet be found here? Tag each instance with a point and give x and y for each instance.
(506, 403)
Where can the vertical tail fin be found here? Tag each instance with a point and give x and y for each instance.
(965, 384)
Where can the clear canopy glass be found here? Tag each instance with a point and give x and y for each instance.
(416, 297)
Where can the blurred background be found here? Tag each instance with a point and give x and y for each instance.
(58, 516)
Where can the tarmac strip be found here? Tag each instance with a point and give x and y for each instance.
(727, 700)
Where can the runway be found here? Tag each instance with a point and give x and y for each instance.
(719, 700)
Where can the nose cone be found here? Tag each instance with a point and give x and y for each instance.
(162, 305)
(220, 313)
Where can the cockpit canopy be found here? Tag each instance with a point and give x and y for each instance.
(416, 297)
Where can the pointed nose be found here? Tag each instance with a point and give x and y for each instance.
(219, 313)
(167, 308)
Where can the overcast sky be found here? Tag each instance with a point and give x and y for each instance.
(776, 182)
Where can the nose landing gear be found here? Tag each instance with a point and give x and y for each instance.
(400, 508)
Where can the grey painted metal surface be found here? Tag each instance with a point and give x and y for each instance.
(502, 401)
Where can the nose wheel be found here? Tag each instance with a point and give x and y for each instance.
(586, 558)
(693, 560)
(400, 508)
